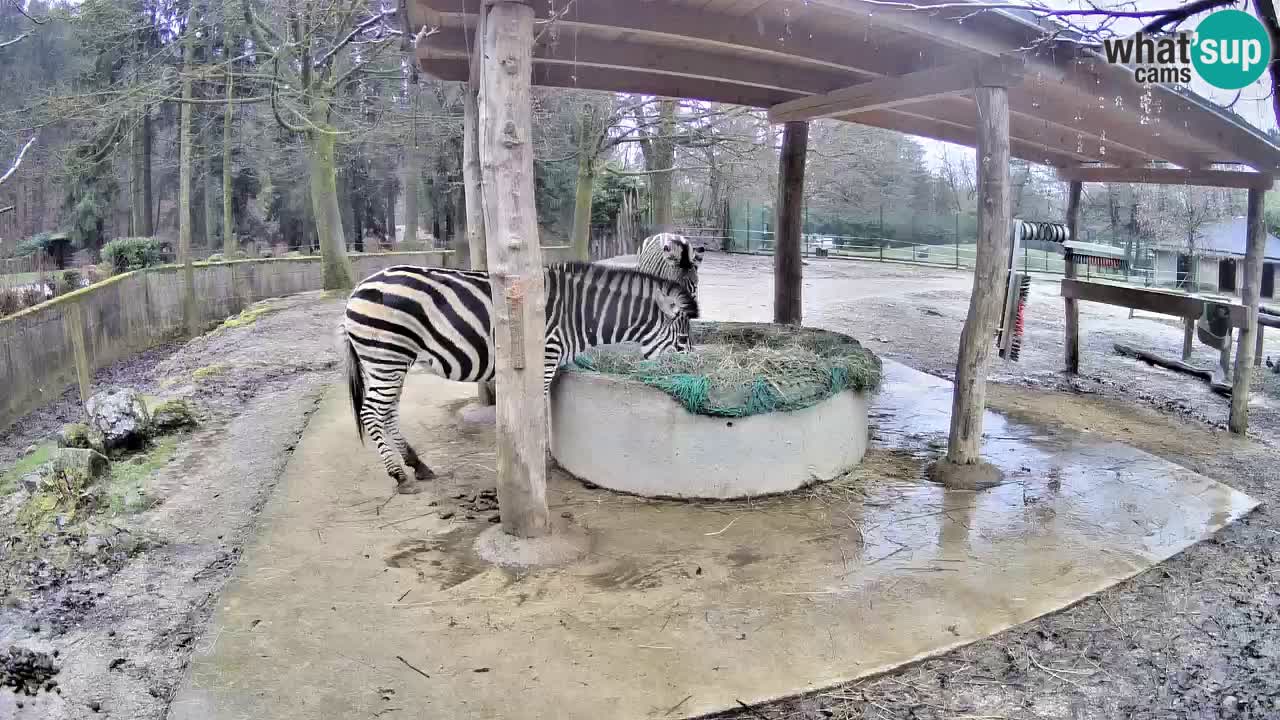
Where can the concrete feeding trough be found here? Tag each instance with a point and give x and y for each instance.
(755, 409)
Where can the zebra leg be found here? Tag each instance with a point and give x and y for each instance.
(378, 417)
(420, 469)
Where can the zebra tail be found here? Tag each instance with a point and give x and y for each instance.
(355, 385)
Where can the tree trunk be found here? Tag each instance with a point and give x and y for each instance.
(787, 270)
(229, 244)
(662, 157)
(337, 273)
(206, 142)
(586, 183)
(140, 165)
(356, 198)
(1249, 297)
(471, 168)
(969, 398)
(185, 161)
(389, 208)
(515, 263)
(411, 174)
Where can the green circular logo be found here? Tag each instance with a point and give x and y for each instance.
(1231, 49)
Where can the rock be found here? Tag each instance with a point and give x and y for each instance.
(173, 415)
(30, 449)
(31, 481)
(76, 469)
(76, 434)
(121, 416)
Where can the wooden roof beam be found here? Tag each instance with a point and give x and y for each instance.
(784, 39)
(961, 134)
(1169, 176)
(887, 92)
(591, 51)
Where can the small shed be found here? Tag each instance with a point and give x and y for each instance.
(1006, 82)
(1214, 261)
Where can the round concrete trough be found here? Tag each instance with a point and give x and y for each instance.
(623, 435)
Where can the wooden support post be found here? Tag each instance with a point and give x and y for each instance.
(1072, 338)
(969, 398)
(472, 194)
(1257, 348)
(1249, 297)
(515, 265)
(1188, 337)
(788, 272)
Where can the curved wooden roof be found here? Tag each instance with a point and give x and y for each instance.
(1067, 106)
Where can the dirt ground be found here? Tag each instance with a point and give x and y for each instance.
(1198, 637)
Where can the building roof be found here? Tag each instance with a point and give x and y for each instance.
(1069, 108)
(1228, 237)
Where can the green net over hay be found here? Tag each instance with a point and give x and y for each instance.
(740, 369)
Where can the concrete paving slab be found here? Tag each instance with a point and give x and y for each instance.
(355, 603)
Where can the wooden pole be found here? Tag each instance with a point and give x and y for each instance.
(1249, 297)
(788, 272)
(515, 265)
(1257, 348)
(969, 398)
(472, 196)
(1188, 334)
(1072, 340)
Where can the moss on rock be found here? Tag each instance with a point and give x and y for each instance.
(173, 415)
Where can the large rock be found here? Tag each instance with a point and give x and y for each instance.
(79, 435)
(121, 416)
(173, 415)
(75, 469)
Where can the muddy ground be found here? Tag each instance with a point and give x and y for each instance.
(1198, 637)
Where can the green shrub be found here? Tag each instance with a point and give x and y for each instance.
(69, 280)
(132, 253)
(32, 245)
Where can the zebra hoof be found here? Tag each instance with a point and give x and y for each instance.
(410, 487)
(423, 473)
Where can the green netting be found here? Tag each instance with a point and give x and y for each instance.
(740, 369)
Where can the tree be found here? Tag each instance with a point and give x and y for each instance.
(310, 64)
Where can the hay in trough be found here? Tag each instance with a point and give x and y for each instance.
(741, 369)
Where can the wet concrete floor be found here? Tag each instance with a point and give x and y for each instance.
(348, 607)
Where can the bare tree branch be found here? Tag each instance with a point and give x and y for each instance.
(16, 40)
(351, 36)
(17, 161)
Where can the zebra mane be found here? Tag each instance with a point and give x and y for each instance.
(592, 271)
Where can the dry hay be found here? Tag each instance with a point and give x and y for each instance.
(741, 369)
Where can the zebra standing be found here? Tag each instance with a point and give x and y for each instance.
(442, 318)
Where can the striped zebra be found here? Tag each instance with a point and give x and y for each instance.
(442, 318)
(672, 257)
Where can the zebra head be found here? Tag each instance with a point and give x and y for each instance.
(678, 305)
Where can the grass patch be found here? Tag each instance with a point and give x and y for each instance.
(209, 371)
(127, 492)
(248, 316)
(28, 463)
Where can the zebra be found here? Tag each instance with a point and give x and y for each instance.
(442, 318)
(672, 257)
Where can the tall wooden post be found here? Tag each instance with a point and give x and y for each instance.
(787, 269)
(969, 398)
(1249, 296)
(515, 264)
(1072, 337)
(472, 197)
